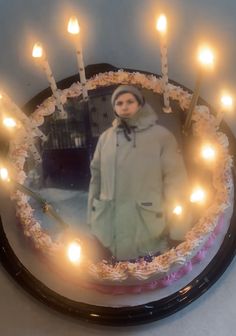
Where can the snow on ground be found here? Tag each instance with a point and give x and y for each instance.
(70, 205)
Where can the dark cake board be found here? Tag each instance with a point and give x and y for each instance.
(43, 271)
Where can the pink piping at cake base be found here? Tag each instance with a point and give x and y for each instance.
(167, 280)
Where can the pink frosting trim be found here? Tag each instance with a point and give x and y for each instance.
(167, 280)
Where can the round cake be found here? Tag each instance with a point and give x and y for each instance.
(60, 176)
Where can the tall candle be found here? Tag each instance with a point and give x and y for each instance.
(38, 53)
(226, 105)
(206, 59)
(30, 130)
(12, 109)
(74, 29)
(161, 26)
(193, 102)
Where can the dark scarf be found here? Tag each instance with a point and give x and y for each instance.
(143, 119)
(126, 129)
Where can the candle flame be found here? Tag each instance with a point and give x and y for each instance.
(9, 122)
(227, 101)
(74, 252)
(178, 210)
(161, 24)
(198, 196)
(73, 26)
(206, 56)
(4, 174)
(37, 50)
(208, 152)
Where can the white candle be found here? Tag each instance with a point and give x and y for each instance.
(206, 59)
(74, 29)
(193, 102)
(38, 53)
(226, 105)
(198, 195)
(12, 109)
(8, 105)
(161, 26)
(9, 123)
(74, 251)
(208, 153)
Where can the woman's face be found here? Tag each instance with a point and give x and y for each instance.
(126, 105)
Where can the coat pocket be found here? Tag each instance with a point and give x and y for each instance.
(152, 217)
(101, 220)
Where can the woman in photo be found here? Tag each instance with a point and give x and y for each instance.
(137, 178)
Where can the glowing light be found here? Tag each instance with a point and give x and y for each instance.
(161, 24)
(178, 210)
(1, 96)
(73, 26)
(74, 252)
(206, 56)
(4, 174)
(9, 122)
(198, 196)
(37, 50)
(227, 101)
(208, 152)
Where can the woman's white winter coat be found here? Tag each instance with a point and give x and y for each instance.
(136, 182)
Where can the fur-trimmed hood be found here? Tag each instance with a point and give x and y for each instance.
(143, 119)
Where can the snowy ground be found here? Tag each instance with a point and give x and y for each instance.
(70, 205)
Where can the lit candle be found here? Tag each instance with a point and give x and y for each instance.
(8, 105)
(226, 105)
(39, 53)
(74, 29)
(4, 174)
(208, 153)
(74, 252)
(29, 127)
(9, 122)
(206, 59)
(178, 210)
(161, 26)
(198, 196)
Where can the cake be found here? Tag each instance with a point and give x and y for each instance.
(148, 272)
